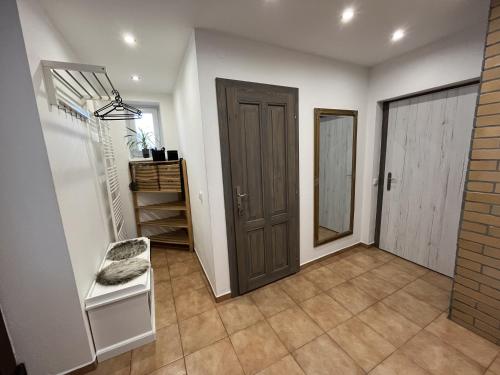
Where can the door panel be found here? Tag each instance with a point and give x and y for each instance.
(428, 139)
(280, 246)
(251, 160)
(262, 158)
(276, 120)
(257, 257)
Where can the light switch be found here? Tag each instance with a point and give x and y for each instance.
(375, 182)
(200, 196)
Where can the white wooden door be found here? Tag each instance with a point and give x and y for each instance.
(428, 139)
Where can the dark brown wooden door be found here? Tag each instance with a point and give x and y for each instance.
(263, 161)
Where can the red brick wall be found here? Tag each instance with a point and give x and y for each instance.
(475, 300)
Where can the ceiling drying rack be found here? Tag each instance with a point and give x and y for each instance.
(70, 86)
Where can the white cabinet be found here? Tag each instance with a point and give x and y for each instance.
(122, 316)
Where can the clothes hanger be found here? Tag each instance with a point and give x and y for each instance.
(118, 110)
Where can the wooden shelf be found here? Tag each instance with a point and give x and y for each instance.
(167, 206)
(163, 177)
(158, 191)
(178, 237)
(152, 162)
(170, 222)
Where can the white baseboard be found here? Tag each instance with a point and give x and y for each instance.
(205, 272)
(324, 256)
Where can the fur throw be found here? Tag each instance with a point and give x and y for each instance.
(122, 271)
(127, 249)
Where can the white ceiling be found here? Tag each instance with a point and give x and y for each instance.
(94, 29)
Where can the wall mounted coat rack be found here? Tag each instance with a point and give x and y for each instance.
(70, 86)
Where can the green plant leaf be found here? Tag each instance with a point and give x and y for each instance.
(139, 139)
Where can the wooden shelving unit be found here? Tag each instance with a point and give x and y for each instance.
(167, 206)
(177, 237)
(169, 222)
(150, 177)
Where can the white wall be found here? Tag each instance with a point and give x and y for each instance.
(38, 292)
(446, 62)
(321, 83)
(194, 146)
(75, 159)
(73, 155)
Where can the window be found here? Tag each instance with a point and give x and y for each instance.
(150, 125)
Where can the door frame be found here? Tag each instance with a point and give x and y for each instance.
(383, 144)
(222, 84)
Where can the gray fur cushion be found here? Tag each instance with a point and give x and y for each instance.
(122, 271)
(127, 249)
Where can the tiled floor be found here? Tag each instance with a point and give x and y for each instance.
(364, 311)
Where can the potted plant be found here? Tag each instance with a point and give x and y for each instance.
(140, 140)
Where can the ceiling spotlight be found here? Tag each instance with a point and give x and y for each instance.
(397, 35)
(129, 39)
(347, 15)
(135, 78)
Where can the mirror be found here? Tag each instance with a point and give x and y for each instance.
(334, 173)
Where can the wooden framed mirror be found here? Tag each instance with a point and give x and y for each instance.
(334, 173)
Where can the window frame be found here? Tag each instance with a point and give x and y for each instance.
(146, 108)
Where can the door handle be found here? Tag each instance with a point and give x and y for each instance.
(239, 200)
(390, 180)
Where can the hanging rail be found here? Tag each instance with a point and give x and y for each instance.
(71, 85)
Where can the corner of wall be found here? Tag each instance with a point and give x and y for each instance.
(214, 176)
(188, 113)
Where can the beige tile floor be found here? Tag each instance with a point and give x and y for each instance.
(364, 311)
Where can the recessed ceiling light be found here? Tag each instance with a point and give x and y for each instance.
(135, 78)
(129, 39)
(347, 15)
(398, 35)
